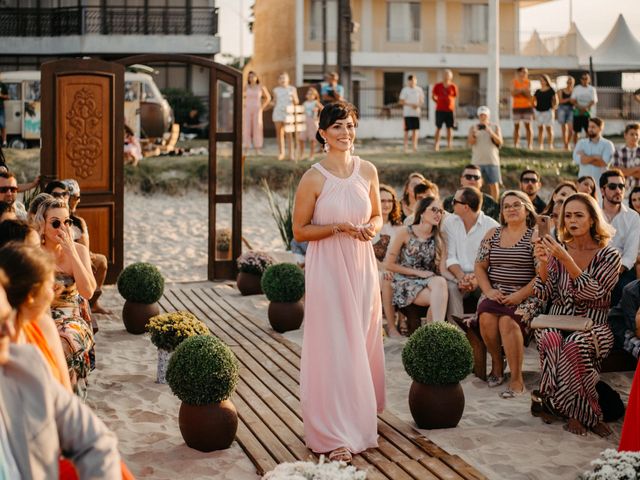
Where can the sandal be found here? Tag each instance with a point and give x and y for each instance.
(511, 393)
(341, 454)
(495, 381)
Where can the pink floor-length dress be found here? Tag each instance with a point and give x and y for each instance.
(342, 385)
(252, 132)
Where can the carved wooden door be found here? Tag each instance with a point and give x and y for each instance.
(82, 138)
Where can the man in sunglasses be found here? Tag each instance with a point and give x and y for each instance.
(9, 193)
(627, 224)
(530, 184)
(472, 177)
(593, 154)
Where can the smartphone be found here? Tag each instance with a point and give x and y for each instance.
(481, 126)
(544, 225)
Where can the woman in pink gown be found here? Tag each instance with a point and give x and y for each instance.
(337, 210)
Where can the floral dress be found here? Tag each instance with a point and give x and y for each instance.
(68, 312)
(420, 255)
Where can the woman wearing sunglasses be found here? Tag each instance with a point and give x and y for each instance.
(416, 256)
(73, 279)
(506, 273)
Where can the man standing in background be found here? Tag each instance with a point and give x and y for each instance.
(583, 97)
(522, 106)
(411, 99)
(444, 94)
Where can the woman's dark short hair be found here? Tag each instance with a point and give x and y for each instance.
(53, 185)
(634, 190)
(27, 267)
(334, 112)
(14, 231)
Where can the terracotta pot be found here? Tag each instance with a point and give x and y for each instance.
(208, 427)
(285, 316)
(135, 316)
(436, 406)
(249, 283)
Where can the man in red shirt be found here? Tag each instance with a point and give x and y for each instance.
(444, 94)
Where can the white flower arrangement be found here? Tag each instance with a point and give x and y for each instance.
(315, 471)
(614, 465)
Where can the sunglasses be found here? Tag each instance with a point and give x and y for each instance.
(529, 180)
(57, 223)
(615, 186)
(60, 194)
(459, 202)
(437, 210)
(8, 189)
(469, 176)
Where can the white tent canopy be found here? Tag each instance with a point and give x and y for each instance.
(574, 43)
(535, 46)
(620, 51)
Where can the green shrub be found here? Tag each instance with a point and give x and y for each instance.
(169, 330)
(437, 354)
(202, 370)
(283, 282)
(182, 102)
(141, 283)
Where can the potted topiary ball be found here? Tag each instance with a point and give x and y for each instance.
(437, 357)
(251, 266)
(203, 373)
(141, 285)
(283, 284)
(169, 330)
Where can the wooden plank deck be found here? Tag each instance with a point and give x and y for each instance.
(267, 398)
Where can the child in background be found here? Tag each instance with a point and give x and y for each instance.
(312, 108)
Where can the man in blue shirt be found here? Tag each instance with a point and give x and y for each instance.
(331, 91)
(593, 154)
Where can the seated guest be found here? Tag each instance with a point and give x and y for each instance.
(587, 184)
(577, 277)
(132, 148)
(57, 189)
(634, 204)
(391, 215)
(408, 200)
(624, 319)
(555, 217)
(472, 177)
(35, 203)
(9, 193)
(464, 230)
(73, 279)
(562, 191)
(39, 418)
(627, 157)
(422, 190)
(99, 263)
(530, 184)
(505, 272)
(7, 211)
(416, 256)
(627, 226)
(18, 231)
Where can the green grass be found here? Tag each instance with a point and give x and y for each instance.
(176, 175)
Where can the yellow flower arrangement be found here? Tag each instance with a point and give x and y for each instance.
(168, 330)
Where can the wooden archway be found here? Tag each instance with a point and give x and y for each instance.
(94, 153)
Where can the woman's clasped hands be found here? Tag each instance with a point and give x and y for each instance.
(364, 233)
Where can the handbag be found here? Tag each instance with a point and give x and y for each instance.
(562, 322)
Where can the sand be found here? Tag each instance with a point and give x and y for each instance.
(499, 437)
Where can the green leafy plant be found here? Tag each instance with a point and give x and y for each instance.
(141, 283)
(283, 216)
(255, 262)
(169, 330)
(283, 282)
(202, 370)
(182, 102)
(437, 354)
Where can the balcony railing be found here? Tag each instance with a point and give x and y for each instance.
(56, 22)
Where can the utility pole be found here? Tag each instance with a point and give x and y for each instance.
(344, 46)
(324, 38)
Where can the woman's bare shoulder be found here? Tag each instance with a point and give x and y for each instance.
(368, 170)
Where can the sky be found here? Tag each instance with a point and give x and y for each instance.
(593, 20)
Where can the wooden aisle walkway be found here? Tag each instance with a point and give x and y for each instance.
(267, 398)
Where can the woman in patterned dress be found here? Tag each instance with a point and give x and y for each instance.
(505, 273)
(416, 257)
(391, 221)
(73, 279)
(577, 277)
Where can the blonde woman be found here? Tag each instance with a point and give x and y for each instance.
(284, 96)
(416, 257)
(505, 272)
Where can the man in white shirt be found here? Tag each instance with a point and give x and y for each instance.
(411, 99)
(593, 154)
(627, 224)
(583, 98)
(464, 231)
